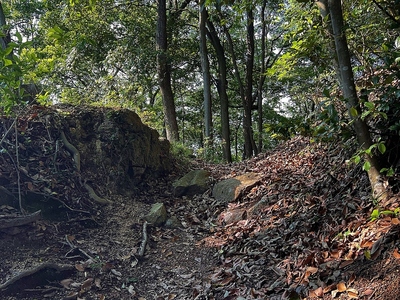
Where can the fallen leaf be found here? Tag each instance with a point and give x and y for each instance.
(345, 263)
(116, 273)
(66, 283)
(316, 293)
(329, 288)
(352, 295)
(395, 221)
(396, 253)
(186, 276)
(341, 286)
(351, 279)
(368, 292)
(376, 245)
(86, 285)
(80, 267)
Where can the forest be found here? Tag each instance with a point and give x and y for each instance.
(225, 82)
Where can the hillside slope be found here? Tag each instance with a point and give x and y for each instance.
(304, 231)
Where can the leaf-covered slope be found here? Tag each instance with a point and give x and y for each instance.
(311, 233)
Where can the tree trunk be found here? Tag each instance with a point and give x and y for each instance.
(350, 94)
(249, 144)
(205, 65)
(164, 74)
(261, 79)
(3, 36)
(245, 90)
(324, 11)
(222, 87)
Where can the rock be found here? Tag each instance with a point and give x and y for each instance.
(157, 215)
(173, 222)
(115, 141)
(258, 207)
(193, 183)
(229, 190)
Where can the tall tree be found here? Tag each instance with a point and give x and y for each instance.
(205, 66)
(222, 87)
(249, 145)
(4, 35)
(164, 74)
(350, 94)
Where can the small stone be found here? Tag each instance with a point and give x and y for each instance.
(193, 183)
(173, 222)
(157, 215)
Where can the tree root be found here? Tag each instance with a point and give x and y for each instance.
(71, 148)
(77, 159)
(20, 220)
(31, 272)
(94, 196)
(144, 240)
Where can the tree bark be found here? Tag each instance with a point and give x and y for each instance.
(164, 74)
(350, 94)
(205, 65)
(222, 87)
(249, 144)
(3, 39)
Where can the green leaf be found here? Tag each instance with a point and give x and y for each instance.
(366, 166)
(397, 42)
(370, 105)
(353, 112)
(387, 212)
(7, 62)
(382, 148)
(374, 214)
(19, 37)
(365, 114)
(357, 159)
(326, 93)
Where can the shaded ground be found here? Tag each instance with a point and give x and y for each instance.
(310, 237)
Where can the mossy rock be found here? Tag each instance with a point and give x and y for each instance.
(193, 183)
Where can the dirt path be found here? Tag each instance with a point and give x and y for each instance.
(313, 238)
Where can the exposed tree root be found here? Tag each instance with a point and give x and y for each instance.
(77, 159)
(32, 272)
(19, 220)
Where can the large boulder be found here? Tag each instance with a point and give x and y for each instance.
(193, 183)
(115, 144)
(229, 190)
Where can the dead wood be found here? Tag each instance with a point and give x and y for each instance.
(12, 221)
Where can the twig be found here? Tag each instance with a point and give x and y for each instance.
(144, 240)
(18, 175)
(73, 247)
(8, 131)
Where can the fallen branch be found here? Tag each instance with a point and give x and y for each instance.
(26, 273)
(6, 222)
(144, 240)
(73, 247)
